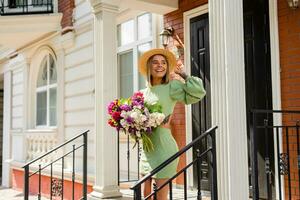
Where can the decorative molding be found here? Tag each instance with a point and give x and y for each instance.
(21, 32)
(98, 6)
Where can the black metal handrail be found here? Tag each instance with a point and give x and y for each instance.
(130, 157)
(283, 157)
(13, 7)
(213, 163)
(27, 173)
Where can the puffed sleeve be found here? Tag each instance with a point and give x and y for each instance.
(189, 92)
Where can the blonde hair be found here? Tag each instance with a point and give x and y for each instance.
(165, 79)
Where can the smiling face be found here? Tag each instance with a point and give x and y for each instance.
(159, 67)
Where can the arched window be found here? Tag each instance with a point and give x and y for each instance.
(46, 98)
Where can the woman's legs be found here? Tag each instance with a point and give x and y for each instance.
(162, 194)
(147, 187)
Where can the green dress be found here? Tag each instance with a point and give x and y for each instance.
(164, 143)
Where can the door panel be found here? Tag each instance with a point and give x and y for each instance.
(201, 112)
(259, 87)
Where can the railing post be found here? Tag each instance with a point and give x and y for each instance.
(118, 153)
(85, 165)
(199, 161)
(26, 182)
(137, 193)
(213, 165)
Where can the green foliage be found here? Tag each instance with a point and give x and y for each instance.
(154, 107)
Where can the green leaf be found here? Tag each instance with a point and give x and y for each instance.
(147, 143)
(154, 107)
(124, 101)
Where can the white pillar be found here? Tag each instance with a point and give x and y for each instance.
(105, 62)
(6, 146)
(228, 97)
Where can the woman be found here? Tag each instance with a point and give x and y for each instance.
(167, 84)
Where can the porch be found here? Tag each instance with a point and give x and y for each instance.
(11, 194)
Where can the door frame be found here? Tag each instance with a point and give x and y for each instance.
(275, 74)
(187, 16)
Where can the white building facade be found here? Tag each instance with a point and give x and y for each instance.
(57, 82)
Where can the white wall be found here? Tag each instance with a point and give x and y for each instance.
(79, 83)
(17, 98)
(78, 88)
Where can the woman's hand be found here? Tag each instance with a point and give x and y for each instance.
(179, 69)
(175, 76)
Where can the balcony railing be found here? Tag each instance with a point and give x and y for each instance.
(39, 143)
(23, 7)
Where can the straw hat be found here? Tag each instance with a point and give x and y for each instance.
(145, 57)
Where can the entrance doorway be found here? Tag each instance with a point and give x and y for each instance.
(201, 112)
(259, 89)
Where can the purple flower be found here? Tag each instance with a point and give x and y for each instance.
(125, 107)
(149, 130)
(113, 106)
(129, 120)
(137, 99)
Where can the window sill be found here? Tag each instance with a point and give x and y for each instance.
(41, 130)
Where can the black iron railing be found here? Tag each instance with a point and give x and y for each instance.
(210, 152)
(22, 7)
(128, 159)
(28, 174)
(287, 149)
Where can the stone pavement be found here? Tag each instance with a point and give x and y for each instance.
(10, 194)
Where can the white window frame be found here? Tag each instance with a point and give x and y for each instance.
(46, 89)
(157, 24)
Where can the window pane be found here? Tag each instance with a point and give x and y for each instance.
(52, 110)
(126, 74)
(41, 108)
(125, 33)
(42, 77)
(15, 3)
(53, 75)
(144, 26)
(141, 49)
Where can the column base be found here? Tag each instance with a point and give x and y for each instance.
(107, 192)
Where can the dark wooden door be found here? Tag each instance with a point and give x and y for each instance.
(259, 88)
(201, 112)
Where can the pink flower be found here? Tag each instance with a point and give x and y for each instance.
(113, 106)
(116, 115)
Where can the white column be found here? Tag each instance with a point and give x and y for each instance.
(228, 97)
(105, 62)
(61, 97)
(6, 176)
(276, 89)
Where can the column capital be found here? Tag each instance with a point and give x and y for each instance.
(104, 5)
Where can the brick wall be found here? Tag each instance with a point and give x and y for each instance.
(175, 19)
(289, 43)
(66, 7)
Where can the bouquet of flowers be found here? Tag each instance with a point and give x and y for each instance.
(136, 117)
